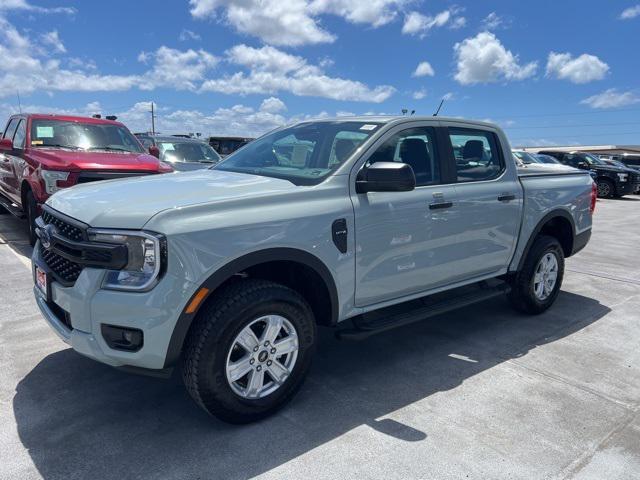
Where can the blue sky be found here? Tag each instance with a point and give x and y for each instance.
(549, 72)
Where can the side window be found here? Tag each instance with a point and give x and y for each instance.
(21, 133)
(415, 147)
(11, 128)
(476, 154)
(572, 160)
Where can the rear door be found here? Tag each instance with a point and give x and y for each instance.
(404, 239)
(489, 202)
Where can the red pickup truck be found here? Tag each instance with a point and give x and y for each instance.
(40, 154)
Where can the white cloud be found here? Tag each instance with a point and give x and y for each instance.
(53, 40)
(483, 59)
(424, 69)
(416, 23)
(631, 12)
(493, 21)
(6, 5)
(294, 22)
(183, 70)
(272, 105)
(186, 35)
(448, 96)
(419, 94)
(271, 70)
(611, 98)
(583, 69)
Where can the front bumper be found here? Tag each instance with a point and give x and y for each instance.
(76, 313)
(627, 188)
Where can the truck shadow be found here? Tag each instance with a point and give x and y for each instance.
(80, 419)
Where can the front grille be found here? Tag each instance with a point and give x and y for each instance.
(65, 271)
(65, 229)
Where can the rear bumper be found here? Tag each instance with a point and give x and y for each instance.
(626, 188)
(580, 241)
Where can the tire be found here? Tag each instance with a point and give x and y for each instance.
(212, 343)
(606, 188)
(524, 295)
(32, 214)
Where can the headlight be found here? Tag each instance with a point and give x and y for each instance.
(623, 177)
(51, 179)
(147, 257)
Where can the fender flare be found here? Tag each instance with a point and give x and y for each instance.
(536, 231)
(238, 265)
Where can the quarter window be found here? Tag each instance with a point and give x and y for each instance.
(415, 147)
(476, 154)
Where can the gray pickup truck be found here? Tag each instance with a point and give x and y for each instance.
(361, 224)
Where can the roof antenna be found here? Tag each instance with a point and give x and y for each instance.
(19, 102)
(439, 107)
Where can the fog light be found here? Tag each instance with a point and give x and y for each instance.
(122, 338)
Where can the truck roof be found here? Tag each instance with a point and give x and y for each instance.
(67, 118)
(387, 119)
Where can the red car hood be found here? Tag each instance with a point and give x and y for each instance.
(80, 160)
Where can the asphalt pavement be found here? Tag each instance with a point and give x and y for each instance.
(482, 393)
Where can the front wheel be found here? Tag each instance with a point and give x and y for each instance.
(536, 286)
(249, 350)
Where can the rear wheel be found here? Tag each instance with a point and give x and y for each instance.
(31, 209)
(249, 351)
(606, 189)
(536, 286)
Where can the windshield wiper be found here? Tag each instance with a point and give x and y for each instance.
(115, 149)
(58, 145)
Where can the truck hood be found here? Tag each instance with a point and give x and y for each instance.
(72, 160)
(130, 203)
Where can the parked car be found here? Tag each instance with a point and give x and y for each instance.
(41, 154)
(363, 219)
(617, 163)
(182, 153)
(546, 161)
(612, 181)
(227, 145)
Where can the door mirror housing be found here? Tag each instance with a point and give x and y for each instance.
(155, 151)
(386, 177)
(6, 145)
(583, 165)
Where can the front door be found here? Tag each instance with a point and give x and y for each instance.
(404, 239)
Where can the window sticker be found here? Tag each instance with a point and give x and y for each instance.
(37, 142)
(368, 127)
(44, 132)
(167, 147)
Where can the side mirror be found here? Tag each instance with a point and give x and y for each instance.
(386, 177)
(6, 145)
(583, 165)
(155, 151)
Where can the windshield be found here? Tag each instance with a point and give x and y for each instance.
(593, 160)
(82, 136)
(546, 159)
(526, 157)
(196, 152)
(304, 154)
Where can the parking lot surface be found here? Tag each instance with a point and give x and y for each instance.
(480, 393)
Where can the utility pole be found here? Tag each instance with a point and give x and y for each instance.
(153, 121)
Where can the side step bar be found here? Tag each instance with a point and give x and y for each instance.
(389, 318)
(11, 207)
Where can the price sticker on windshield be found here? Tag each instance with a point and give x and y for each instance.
(44, 132)
(368, 126)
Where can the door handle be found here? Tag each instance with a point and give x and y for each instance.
(437, 206)
(506, 197)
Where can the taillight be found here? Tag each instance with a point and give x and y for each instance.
(594, 196)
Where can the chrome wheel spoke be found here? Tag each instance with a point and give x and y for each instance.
(271, 331)
(247, 339)
(286, 345)
(239, 369)
(278, 372)
(256, 382)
